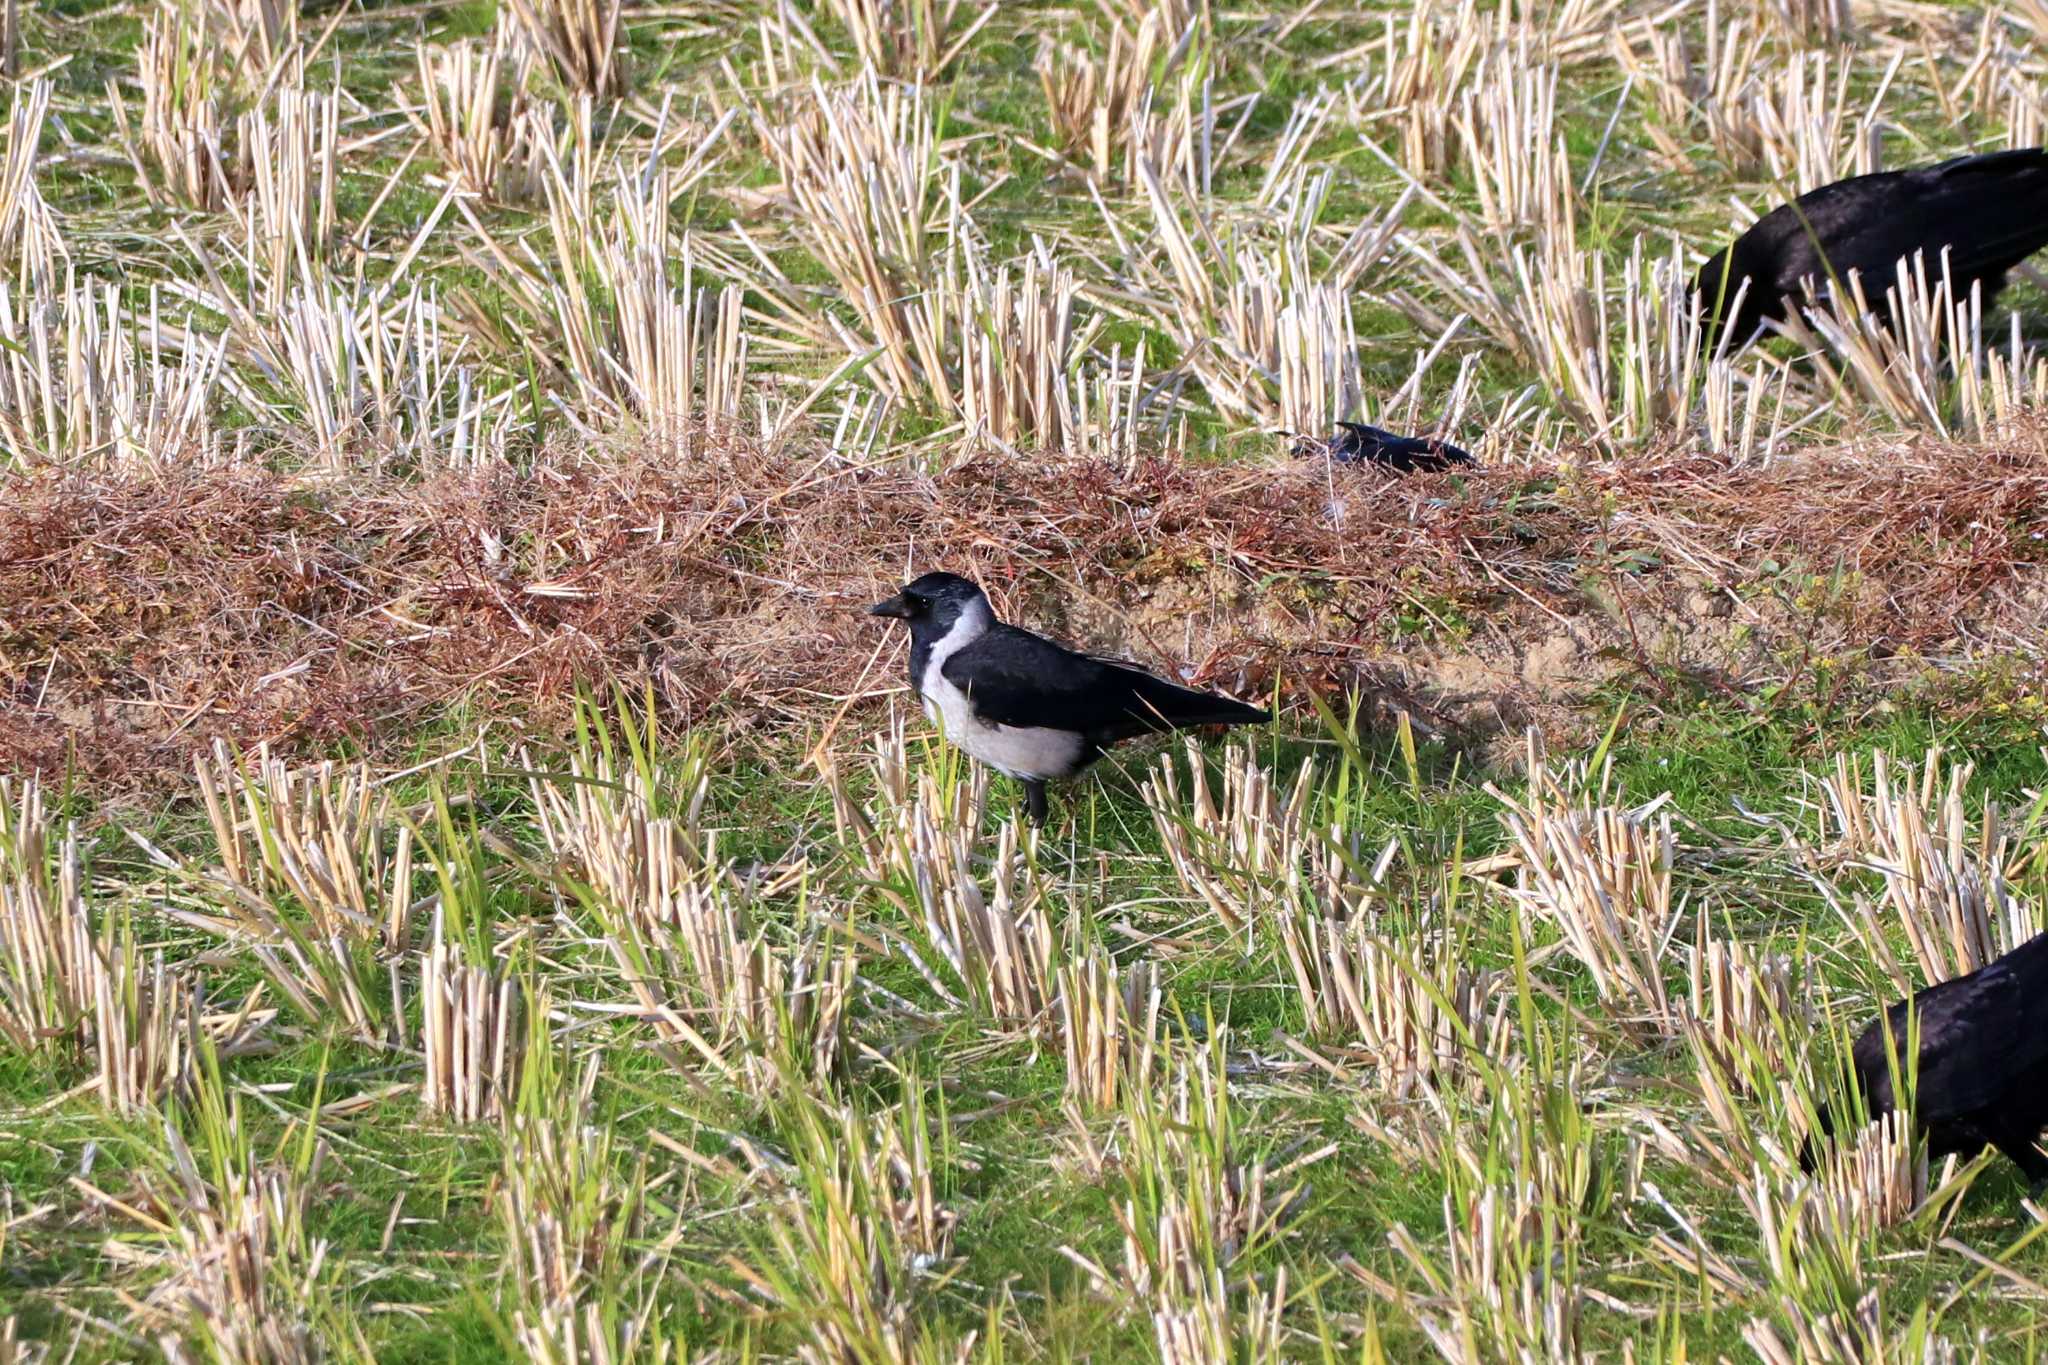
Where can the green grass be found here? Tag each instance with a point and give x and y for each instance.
(1000, 1166)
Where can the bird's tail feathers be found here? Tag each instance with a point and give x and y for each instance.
(1164, 705)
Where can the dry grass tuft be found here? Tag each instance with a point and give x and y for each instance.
(572, 1207)
(63, 983)
(145, 1023)
(580, 39)
(1946, 886)
(90, 381)
(477, 113)
(913, 39)
(1109, 1028)
(321, 839)
(300, 860)
(1252, 853)
(469, 1033)
(48, 962)
(700, 959)
(855, 1226)
(1091, 100)
(1418, 1014)
(245, 1275)
(918, 841)
(1601, 876)
(1509, 1281)
(1198, 1201)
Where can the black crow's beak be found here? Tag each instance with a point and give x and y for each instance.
(891, 606)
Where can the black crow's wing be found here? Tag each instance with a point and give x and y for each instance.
(1979, 1035)
(1989, 211)
(1012, 677)
(1356, 441)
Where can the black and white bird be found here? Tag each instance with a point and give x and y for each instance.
(1023, 705)
(1357, 443)
(1981, 1075)
(1988, 212)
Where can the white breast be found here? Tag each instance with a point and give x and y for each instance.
(1018, 751)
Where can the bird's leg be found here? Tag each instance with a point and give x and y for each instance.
(1034, 801)
(2019, 1144)
(2026, 1155)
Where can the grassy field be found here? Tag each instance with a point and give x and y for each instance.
(472, 886)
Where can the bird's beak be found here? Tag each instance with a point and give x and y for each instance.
(891, 606)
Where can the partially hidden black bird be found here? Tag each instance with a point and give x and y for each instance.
(1989, 212)
(1357, 443)
(1981, 1075)
(1023, 705)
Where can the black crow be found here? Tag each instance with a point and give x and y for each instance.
(1982, 1075)
(1024, 705)
(1355, 442)
(1990, 213)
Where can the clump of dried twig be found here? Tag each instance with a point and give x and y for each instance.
(253, 597)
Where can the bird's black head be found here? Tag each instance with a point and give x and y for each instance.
(1731, 299)
(933, 602)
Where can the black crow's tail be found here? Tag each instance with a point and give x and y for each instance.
(1157, 704)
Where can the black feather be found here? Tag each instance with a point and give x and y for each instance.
(1988, 212)
(1980, 1073)
(1013, 677)
(1357, 443)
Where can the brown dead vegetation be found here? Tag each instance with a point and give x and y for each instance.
(142, 615)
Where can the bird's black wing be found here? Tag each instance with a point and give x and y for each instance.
(1979, 1035)
(1359, 442)
(1991, 211)
(1013, 677)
